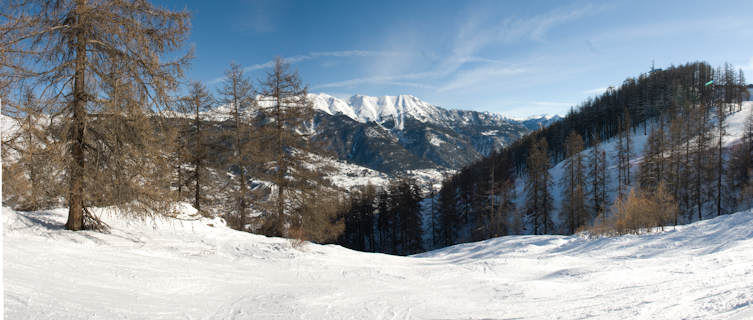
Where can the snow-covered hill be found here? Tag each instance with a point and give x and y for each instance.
(196, 268)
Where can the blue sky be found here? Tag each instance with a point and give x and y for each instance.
(517, 58)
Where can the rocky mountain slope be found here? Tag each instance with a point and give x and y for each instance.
(397, 133)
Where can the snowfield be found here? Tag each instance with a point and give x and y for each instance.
(196, 268)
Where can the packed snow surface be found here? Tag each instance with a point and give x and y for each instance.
(196, 268)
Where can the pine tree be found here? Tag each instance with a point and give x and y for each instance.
(98, 61)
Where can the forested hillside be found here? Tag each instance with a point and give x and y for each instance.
(668, 146)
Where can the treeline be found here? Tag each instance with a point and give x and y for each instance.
(681, 110)
(102, 120)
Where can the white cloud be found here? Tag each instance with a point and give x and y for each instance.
(595, 91)
(398, 80)
(315, 55)
(478, 32)
(478, 75)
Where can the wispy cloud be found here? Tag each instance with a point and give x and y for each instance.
(315, 55)
(478, 33)
(464, 66)
(399, 80)
(674, 27)
(465, 79)
(595, 91)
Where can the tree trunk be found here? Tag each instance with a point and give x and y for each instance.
(76, 199)
(239, 163)
(198, 158)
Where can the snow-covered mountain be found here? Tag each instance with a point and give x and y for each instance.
(395, 134)
(397, 108)
(398, 133)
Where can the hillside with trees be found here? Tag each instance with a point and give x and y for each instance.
(679, 117)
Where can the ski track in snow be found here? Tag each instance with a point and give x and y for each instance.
(187, 269)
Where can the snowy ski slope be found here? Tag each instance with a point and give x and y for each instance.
(196, 268)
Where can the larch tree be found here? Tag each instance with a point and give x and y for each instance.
(196, 103)
(721, 131)
(96, 60)
(31, 182)
(286, 112)
(628, 144)
(700, 161)
(597, 177)
(652, 168)
(449, 216)
(573, 182)
(499, 201)
(675, 169)
(237, 94)
(538, 196)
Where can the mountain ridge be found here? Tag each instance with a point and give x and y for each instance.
(380, 109)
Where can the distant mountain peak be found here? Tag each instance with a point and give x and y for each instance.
(381, 109)
(364, 108)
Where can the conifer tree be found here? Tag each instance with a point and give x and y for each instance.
(434, 217)
(97, 60)
(539, 199)
(286, 110)
(652, 168)
(676, 169)
(196, 103)
(700, 158)
(384, 221)
(572, 182)
(30, 183)
(409, 208)
(448, 213)
(597, 176)
(237, 94)
(721, 126)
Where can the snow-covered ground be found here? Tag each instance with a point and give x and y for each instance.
(195, 268)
